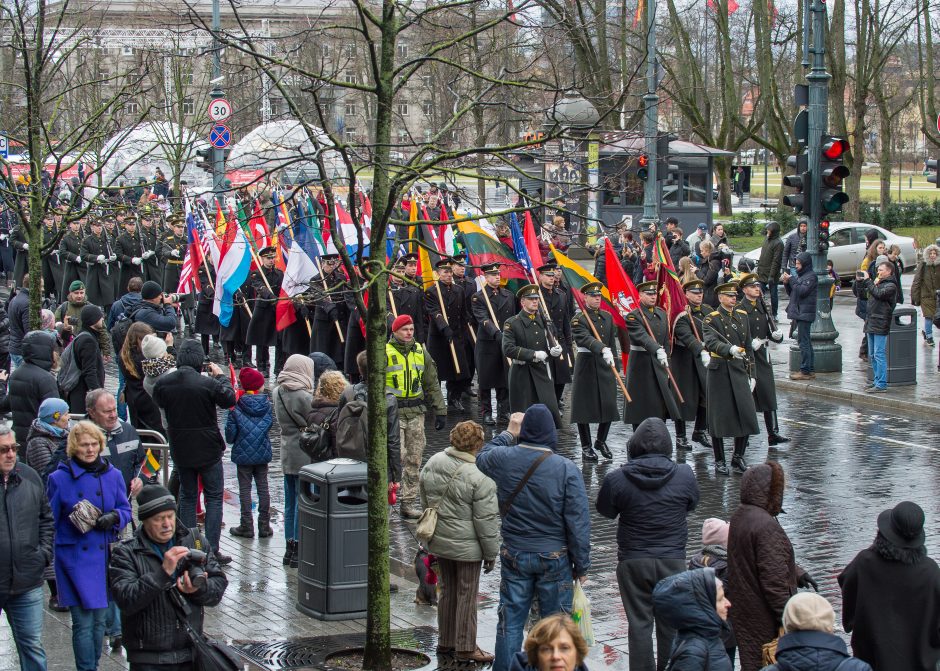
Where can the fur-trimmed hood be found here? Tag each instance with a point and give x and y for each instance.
(762, 486)
(927, 250)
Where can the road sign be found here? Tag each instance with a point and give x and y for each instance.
(220, 110)
(220, 136)
(4, 147)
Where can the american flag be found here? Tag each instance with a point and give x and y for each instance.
(200, 245)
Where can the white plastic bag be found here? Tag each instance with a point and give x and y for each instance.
(581, 612)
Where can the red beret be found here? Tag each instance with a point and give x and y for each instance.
(401, 320)
(250, 379)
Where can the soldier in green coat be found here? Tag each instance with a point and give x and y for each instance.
(730, 412)
(690, 362)
(594, 390)
(525, 342)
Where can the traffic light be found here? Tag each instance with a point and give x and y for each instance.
(204, 159)
(799, 181)
(932, 167)
(823, 235)
(832, 172)
(642, 167)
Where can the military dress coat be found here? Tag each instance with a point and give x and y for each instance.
(730, 411)
(438, 344)
(469, 287)
(173, 265)
(128, 248)
(70, 249)
(152, 267)
(53, 265)
(328, 311)
(21, 262)
(687, 366)
(647, 381)
(492, 368)
(560, 309)
(594, 393)
(409, 300)
(261, 328)
(765, 391)
(100, 278)
(529, 380)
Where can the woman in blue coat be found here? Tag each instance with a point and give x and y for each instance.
(694, 604)
(81, 557)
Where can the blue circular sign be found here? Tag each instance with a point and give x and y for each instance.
(220, 136)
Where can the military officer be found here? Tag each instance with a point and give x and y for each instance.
(152, 266)
(491, 307)
(525, 342)
(730, 410)
(447, 315)
(594, 391)
(689, 364)
(21, 245)
(261, 329)
(101, 262)
(468, 284)
(52, 266)
(647, 377)
(330, 309)
(70, 249)
(407, 298)
(130, 255)
(172, 252)
(762, 330)
(233, 336)
(560, 309)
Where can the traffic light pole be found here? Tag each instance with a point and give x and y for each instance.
(651, 103)
(218, 155)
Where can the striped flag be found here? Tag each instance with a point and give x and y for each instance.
(193, 259)
(150, 467)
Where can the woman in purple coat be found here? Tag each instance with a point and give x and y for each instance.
(81, 557)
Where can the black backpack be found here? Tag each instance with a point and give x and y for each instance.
(352, 430)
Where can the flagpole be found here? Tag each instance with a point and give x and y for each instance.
(319, 267)
(489, 307)
(391, 302)
(290, 232)
(672, 379)
(613, 367)
(440, 299)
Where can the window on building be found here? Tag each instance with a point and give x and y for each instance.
(132, 109)
(127, 51)
(403, 137)
(427, 134)
(426, 79)
(350, 109)
(350, 77)
(188, 78)
(104, 74)
(403, 50)
(275, 104)
(350, 134)
(428, 108)
(349, 50)
(403, 109)
(695, 188)
(189, 107)
(325, 50)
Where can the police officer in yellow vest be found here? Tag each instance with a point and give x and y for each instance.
(411, 376)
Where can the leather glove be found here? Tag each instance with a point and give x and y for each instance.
(706, 357)
(136, 260)
(541, 356)
(738, 352)
(107, 520)
(175, 253)
(757, 343)
(439, 422)
(661, 357)
(488, 565)
(807, 581)
(100, 258)
(608, 356)
(448, 333)
(555, 351)
(777, 335)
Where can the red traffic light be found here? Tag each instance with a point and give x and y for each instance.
(835, 148)
(643, 160)
(824, 225)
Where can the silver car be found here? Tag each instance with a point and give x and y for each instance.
(847, 246)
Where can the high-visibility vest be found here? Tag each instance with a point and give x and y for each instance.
(404, 373)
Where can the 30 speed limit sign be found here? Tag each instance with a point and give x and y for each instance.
(220, 110)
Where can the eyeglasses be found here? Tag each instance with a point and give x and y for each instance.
(9, 448)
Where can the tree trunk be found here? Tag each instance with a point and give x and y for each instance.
(884, 156)
(723, 170)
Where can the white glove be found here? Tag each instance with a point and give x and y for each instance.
(100, 258)
(555, 351)
(147, 254)
(662, 358)
(608, 356)
(175, 253)
(25, 246)
(136, 260)
(777, 335)
(757, 343)
(705, 357)
(752, 382)
(738, 352)
(3, 236)
(541, 356)
(113, 258)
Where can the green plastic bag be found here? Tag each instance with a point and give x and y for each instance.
(581, 612)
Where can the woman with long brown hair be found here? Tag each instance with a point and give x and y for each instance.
(144, 412)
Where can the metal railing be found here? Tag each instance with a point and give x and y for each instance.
(157, 443)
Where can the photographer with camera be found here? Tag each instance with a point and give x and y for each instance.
(156, 309)
(165, 564)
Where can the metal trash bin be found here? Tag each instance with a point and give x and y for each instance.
(901, 348)
(333, 550)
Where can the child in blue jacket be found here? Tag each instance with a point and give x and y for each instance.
(246, 430)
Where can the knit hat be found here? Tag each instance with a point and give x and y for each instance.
(715, 532)
(152, 347)
(882, 259)
(807, 611)
(150, 290)
(903, 525)
(401, 320)
(76, 285)
(250, 379)
(91, 315)
(154, 499)
(52, 409)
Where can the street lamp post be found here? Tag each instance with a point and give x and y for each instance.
(651, 103)
(218, 154)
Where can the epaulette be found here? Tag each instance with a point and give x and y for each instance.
(712, 314)
(743, 312)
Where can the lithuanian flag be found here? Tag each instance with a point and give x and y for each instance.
(150, 467)
(484, 249)
(577, 276)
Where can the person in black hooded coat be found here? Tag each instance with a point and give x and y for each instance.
(88, 358)
(652, 497)
(30, 384)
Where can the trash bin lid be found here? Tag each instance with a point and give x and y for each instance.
(338, 471)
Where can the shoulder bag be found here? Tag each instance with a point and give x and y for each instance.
(316, 440)
(507, 504)
(427, 523)
(208, 654)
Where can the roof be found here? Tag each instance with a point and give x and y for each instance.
(616, 142)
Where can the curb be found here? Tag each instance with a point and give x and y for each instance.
(861, 399)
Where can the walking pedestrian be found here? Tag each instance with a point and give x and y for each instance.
(802, 311)
(770, 264)
(924, 289)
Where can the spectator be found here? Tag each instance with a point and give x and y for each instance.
(694, 605)
(794, 246)
(891, 595)
(762, 574)
(18, 312)
(189, 401)
(897, 268)
(155, 310)
(4, 340)
(925, 287)
(675, 242)
(546, 526)
(714, 555)
(143, 411)
(467, 533)
(88, 358)
(718, 237)
(801, 311)
(834, 289)
(292, 398)
(686, 269)
(25, 550)
(127, 303)
(246, 430)
(695, 239)
(554, 644)
(68, 318)
(770, 264)
(652, 497)
(123, 448)
(882, 299)
(149, 587)
(808, 642)
(48, 437)
(321, 364)
(30, 384)
(156, 361)
(875, 249)
(325, 403)
(81, 557)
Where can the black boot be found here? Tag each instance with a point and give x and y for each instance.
(773, 431)
(701, 438)
(487, 414)
(737, 459)
(290, 552)
(682, 443)
(264, 529)
(601, 447)
(718, 446)
(588, 453)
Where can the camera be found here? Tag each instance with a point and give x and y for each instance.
(859, 275)
(171, 298)
(73, 321)
(206, 362)
(194, 563)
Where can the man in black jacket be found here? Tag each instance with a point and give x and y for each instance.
(150, 589)
(86, 350)
(26, 530)
(883, 294)
(189, 401)
(18, 311)
(31, 383)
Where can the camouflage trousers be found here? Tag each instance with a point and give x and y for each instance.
(412, 449)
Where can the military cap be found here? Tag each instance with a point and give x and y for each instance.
(407, 258)
(175, 220)
(490, 269)
(749, 278)
(592, 289)
(329, 257)
(528, 291)
(694, 285)
(727, 288)
(445, 262)
(550, 267)
(458, 260)
(647, 287)
(267, 251)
